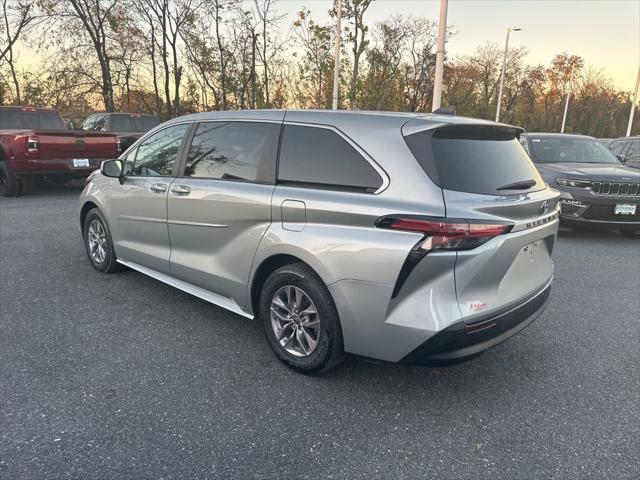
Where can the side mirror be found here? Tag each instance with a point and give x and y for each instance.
(621, 157)
(112, 169)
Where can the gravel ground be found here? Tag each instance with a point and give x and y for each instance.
(120, 376)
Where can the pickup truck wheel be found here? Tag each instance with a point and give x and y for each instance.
(9, 183)
(28, 184)
(98, 243)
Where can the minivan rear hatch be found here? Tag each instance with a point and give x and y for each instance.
(486, 176)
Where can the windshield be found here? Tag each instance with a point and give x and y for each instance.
(570, 150)
(18, 119)
(132, 123)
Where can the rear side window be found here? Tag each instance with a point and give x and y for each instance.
(475, 159)
(634, 151)
(618, 147)
(320, 157)
(148, 122)
(18, 119)
(234, 151)
(131, 123)
(100, 123)
(88, 123)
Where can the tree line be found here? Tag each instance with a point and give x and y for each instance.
(172, 57)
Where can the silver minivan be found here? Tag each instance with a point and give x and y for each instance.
(423, 239)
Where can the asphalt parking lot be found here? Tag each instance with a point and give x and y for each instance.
(120, 376)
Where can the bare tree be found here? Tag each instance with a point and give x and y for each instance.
(168, 20)
(269, 45)
(245, 37)
(95, 17)
(419, 70)
(354, 11)
(148, 19)
(15, 22)
(218, 6)
(315, 68)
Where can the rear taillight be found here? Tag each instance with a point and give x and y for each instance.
(445, 234)
(33, 144)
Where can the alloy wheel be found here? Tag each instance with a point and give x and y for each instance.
(97, 237)
(295, 321)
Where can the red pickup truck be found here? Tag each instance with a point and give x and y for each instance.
(35, 143)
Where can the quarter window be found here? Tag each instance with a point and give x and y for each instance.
(89, 122)
(100, 123)
(319, 156)
(156, 156)
(618, 147)
(233, 151)
(633, 153)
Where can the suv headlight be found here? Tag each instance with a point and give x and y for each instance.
(568, 182)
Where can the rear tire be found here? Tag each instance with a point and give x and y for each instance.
(9, 183)
(28, 184)
(307, 342)
(98, 243)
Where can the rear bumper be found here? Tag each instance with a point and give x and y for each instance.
(463, 341)
(44, 167)
(599, 224)
(595, 211)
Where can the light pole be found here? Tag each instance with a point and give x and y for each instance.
(633, 105)
(504, 66)
(336, 65)
(442, 31)
(566, 103)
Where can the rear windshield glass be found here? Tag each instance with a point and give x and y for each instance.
(18, 119)
(132, 123)
(485, 160)
(570, 150)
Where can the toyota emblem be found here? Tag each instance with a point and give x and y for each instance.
(544, 207)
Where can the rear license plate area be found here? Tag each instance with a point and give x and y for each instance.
(81, 162)
(531, 250)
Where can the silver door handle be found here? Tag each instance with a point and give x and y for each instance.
(158, 187)
(180, 190)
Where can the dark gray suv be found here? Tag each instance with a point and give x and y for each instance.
(627, 149)
(411, 238)
(597, 189)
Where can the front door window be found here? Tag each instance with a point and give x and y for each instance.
(157, 155)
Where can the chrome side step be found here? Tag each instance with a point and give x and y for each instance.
(205, 295)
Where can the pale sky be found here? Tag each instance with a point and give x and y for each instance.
(606, 33)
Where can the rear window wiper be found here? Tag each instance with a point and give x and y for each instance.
(521, 185)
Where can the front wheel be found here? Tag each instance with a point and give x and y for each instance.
(300, 319)
(98, 243)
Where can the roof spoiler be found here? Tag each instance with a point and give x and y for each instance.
(448, 110)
